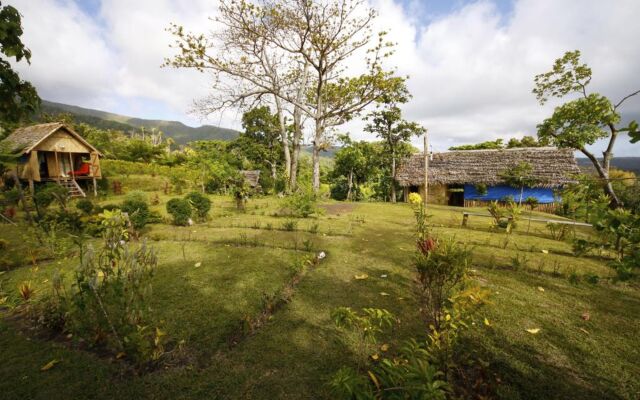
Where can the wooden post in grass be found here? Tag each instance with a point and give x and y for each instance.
(426, 167)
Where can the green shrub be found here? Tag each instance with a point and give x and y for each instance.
(137, 196)
(107, 303)
(180, 210)
(290, 225)
(62, 219)
(49, 193)
(138, 212)
(442, 268)
(85, 205)
(301, 204)
(201, 204)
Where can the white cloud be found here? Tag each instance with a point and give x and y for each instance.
(471, 71)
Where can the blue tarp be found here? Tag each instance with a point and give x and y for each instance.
(543, 195)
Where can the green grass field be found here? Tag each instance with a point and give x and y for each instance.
(212, 275)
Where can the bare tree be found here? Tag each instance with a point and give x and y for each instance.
(321, 35)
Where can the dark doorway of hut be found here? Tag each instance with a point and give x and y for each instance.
(456, 195)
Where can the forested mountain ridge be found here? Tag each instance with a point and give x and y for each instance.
(178, 131)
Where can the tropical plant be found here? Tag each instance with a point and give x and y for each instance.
(363, 328)
(107, 303)
(442, 268)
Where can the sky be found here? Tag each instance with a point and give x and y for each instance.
(470, 63)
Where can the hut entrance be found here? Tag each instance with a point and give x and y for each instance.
(456, 195)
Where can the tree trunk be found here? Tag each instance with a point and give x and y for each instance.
(297, 127)
(350, 185)
(393, 177)
(316, 168)
(297, 137)
(604, 174)
(521, 193)
(608, 153)
(317, 143)
(294, 164)
(274, 171)
(285, 143)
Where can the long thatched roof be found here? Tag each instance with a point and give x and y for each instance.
(23, 140)
(552, 167)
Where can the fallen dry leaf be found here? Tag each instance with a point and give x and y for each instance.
(198, 264)
(384, 347)
(486, 322)
(540, 289)
(49, 365)
(584, 330)
(360, 277)
(384, 294)
(533, 331)
(585, 316)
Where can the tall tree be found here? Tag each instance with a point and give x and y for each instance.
(321, 35)
(583, 121)
(357, 161)
(247, 70)
(260, 140)
(18, 98)
(388, 125)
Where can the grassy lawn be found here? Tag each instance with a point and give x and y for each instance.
(244, 256)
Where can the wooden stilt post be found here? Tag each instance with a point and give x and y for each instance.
(95, 187)
(55, 155)
(426, 167)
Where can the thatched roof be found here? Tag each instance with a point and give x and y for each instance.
(23, 140)
(252, 177)
(551, 166)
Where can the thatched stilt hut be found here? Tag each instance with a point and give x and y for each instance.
(54, 152)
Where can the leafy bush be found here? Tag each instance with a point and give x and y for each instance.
(137, 196)
(363, 328)
(85, 205)
(442, 268)
(201, 204)
(61, 219)
(49, 193)
(180, 210)
(107, 302)
(301, 204)
(138, 212)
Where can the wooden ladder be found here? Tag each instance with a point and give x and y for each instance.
(74, 189)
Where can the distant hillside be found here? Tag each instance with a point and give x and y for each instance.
(625, 163)
(180, 132)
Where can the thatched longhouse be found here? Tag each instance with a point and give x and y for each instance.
(454, 176)
(53, 152)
